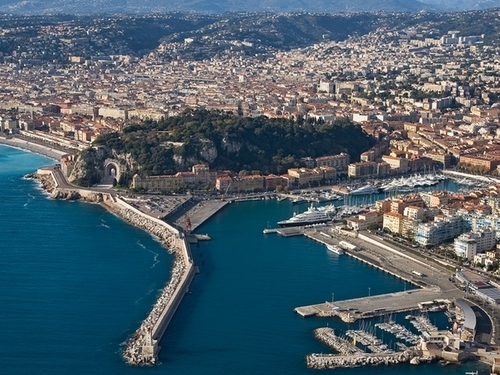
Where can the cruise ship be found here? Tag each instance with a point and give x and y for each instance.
(313, 215)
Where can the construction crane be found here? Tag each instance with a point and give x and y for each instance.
(188, 224)
(227, 189)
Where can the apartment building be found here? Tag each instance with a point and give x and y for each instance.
(468, 245)
(441, 229)
(340, 161)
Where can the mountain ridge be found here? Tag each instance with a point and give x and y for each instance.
(32, 7)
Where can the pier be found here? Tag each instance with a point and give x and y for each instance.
(367, 307)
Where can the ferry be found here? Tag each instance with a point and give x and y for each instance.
(335, 249)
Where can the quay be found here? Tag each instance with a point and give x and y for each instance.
(434, 281)
(367, 307)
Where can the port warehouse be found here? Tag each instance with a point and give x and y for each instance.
(347, 245)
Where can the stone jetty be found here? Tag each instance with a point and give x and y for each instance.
(350, 355)
(142, 347)
(328, 361)
(328, 337)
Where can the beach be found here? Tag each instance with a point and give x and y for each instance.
(31, 146)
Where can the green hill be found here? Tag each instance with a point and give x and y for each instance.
(225, 141)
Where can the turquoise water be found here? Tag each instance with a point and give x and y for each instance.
(76, 281)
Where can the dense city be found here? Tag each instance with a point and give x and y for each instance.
(427, 98)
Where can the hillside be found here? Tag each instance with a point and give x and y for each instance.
(225, 141)
(262, 33)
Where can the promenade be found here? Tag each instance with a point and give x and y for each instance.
(36, 148)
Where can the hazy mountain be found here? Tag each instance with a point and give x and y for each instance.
(459, 5)
(213, 6)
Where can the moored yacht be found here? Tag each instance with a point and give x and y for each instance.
(367, 189)
(335, 249)
(313, 215)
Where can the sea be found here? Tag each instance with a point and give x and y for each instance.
(76, 281)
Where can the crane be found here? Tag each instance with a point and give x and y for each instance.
(227, 189)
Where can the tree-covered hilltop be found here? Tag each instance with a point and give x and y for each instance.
(225, 141)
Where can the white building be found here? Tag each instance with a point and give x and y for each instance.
(468, 245)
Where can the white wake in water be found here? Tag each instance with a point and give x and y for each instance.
(32, 198)
(155, 258)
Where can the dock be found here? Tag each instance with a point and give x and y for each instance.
(367, 307)
(433, 280)
(285, 232)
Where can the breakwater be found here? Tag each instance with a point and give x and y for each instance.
(143, 346)
(328, 361)
(351, 355)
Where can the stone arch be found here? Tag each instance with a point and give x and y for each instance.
(111, 171)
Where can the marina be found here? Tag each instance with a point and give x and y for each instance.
(350, 355)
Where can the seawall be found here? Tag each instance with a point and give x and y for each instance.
(142, 348)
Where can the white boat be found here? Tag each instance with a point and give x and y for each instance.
(436, 308)
(299, 200)
(335, 249)
(313, 215)
(367, 189)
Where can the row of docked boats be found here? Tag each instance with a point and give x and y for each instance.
(401, 184)
(412, 182)
(317, 197)
(399, 331)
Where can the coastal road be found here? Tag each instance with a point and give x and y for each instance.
(63, 183)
